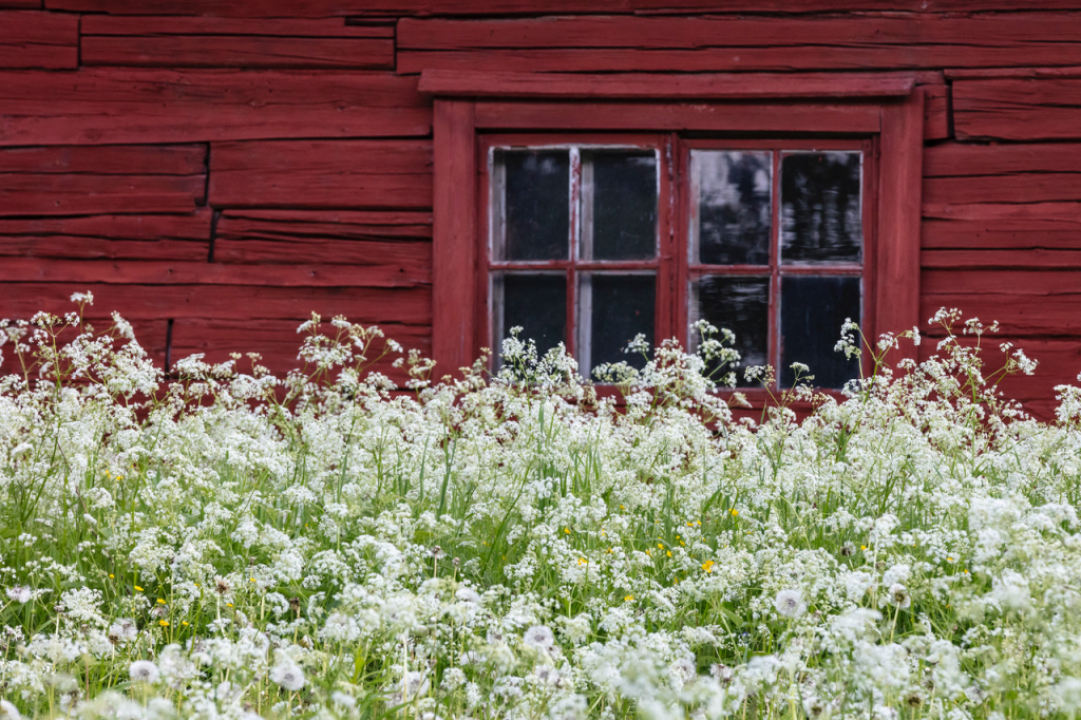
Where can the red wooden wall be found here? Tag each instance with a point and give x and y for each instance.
(217, 169)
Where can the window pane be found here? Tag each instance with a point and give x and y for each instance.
(538, 303)
(620, 205)
(740, 304)
(821, 218)
(614, 309)
(535, 215)
(812, 312)
(731, 191)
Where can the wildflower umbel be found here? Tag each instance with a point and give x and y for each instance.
(321, 544)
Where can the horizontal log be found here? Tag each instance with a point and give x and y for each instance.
(999, 283)
(856, 56)
(356, 238)
(378, 274)
(1029, 258)
(1012, 72)
(733, 117)
(1018, 315)
(38, 40)
(237, 51)
(965, 160)
(29, 194)
(278, 343)
(109, 237)
(1018, 32)
(101, 107)
(379, 9)
(1011, 187)
(646, 85)
(1030, 173)
(408, 306)
(345, 225)
(805, 6)
(1017, 109)
(106, 159)
(294, 27)
(20, 3)
(330, 8)
(322, 174)
(1055, 226)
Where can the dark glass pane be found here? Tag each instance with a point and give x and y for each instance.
(622, 307)
(734, 214)
(538, 303)
(821, 218)
(536, 211)
(740, 304)
(624, 208)
(812, 312)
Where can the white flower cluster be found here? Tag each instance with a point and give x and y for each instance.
(231, 545)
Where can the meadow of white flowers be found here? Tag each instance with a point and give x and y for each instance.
(232, 545)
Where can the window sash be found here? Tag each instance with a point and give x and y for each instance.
(672, 265)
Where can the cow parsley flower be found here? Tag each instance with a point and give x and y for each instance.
(20, 594)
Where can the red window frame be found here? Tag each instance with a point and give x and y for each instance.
(661, 143)
(887, 110)
(687, 270)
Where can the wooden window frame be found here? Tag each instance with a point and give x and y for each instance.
(886, 109)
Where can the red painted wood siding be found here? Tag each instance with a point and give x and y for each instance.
(231, 165)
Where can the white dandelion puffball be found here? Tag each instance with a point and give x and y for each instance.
(8, 711)
(540, 637)
(144, 671)
(20, 594)
(789, 604)
(288, 675)
(898, 595)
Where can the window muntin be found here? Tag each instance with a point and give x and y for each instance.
(595, 212)
(769, 239)
(776, 250)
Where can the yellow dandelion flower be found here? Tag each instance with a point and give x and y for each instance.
(582, 561)
(163, 623)
(660, 546)
(649, 552)
(698, 523)
(567, 531)
(611, 550)
(683, 543)
(949, 559)
(137, 588)
(733, 512)
(863, 547)
(184, 623)
(229, 605)
(252, 579)
(160, 601)
(708, 566)
(629, 598)
(621, 507)
(669, 553)
(112, 577)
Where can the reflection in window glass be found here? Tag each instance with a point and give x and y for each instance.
(740, 304)
(620, 205)
(732, 195)
(613, 310)
(812, 312)
(821, 217)
(533, 221)
(537, 303)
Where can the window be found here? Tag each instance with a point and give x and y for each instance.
(588, 210)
